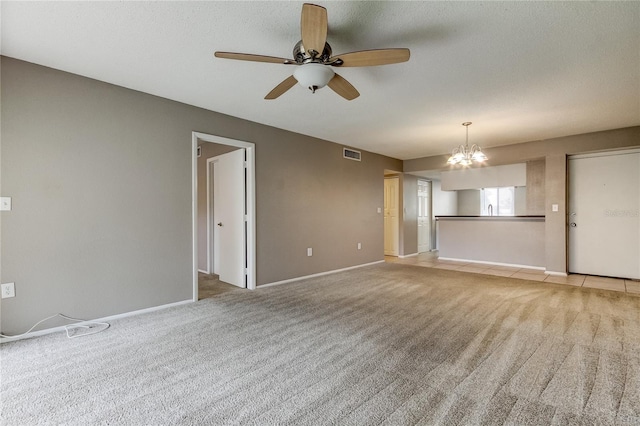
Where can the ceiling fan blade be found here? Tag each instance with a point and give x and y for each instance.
(287, 84)
(368, 58)
(313, 26)
(253, 58)
(343, 88)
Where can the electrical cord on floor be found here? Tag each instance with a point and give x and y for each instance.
(97, 327)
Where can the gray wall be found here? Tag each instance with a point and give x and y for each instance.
(520, 200)
(535, 187)
(555, 152)
(100, 178)
(469, 202)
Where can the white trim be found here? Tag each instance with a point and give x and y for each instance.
(515, 265)
(557, 274)
(104, 319)
(251, 204)
(606, 153)
(203, 271)
(408, 255)
(194, 214)
(320, 274)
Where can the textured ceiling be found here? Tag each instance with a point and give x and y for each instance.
(520, 71)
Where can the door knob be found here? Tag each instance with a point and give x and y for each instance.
(219, 223)
(573, 224)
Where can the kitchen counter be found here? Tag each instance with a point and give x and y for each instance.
(505, 240)
(514, 218)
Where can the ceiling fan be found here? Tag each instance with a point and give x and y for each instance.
(314, 59)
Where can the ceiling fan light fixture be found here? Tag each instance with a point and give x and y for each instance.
(313, 75)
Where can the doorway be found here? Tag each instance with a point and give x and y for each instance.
(249, 219)
(604, 214)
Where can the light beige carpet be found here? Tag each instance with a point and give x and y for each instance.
(210, 286)
(387, 344)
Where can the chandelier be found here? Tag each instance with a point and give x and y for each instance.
(464, 155)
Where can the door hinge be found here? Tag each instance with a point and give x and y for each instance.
(246, 218)
(246, 165)
(246, 271)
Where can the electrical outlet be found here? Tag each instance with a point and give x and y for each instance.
(5, 204)
(8, 290)
(359, 246)
(309, 251)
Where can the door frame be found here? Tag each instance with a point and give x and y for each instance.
(250, 204)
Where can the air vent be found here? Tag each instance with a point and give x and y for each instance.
(351, 154)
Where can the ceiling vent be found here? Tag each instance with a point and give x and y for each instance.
(351, 154)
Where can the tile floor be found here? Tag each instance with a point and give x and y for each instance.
(430, 260)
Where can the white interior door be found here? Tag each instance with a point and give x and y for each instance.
(424, 216)
(229, 217)
(604, 214)
(391, 216)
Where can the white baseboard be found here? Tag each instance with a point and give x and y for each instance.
(558, 274)
(203, 271)
(105, 319)
(514, 265)
(319, 274)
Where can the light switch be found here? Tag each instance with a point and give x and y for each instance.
(379, 209)
(5, 204)
(554, 207)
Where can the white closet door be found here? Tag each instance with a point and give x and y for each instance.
(229, 212)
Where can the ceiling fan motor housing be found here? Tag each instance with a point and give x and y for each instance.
(301, 56)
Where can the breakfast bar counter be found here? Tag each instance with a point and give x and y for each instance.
(505, 240)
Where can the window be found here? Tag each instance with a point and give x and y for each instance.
(497, 201)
